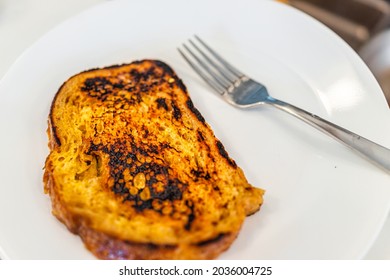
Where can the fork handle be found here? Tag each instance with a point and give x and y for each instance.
(376, 153)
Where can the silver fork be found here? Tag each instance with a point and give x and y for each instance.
(243, 92)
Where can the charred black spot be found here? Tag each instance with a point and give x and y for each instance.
(127, 156)
(114, 90)
(210, 241)
(151, 181)
(224, 154)
(171, 192)
(135, 75)
(95, 84)
(144, 88)
(192, 108)
(200, 136)
(180, 84)
(142, 76)
(119, 86)
(119, 188)
(191, 216)
(200, 174)
(97, 87)
(161, 103)
(176, 111)
(140, 205)
(93, 148)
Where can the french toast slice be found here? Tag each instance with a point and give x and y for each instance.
(135, 170)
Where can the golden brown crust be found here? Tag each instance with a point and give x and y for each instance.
(136, 171)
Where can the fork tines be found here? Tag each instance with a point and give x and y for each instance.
(213, 69)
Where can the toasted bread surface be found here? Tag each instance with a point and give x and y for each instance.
(136, 171)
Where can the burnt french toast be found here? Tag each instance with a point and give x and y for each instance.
(135, 170)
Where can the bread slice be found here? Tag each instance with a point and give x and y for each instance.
(135, 170)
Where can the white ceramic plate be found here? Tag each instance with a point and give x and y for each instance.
(322, 201)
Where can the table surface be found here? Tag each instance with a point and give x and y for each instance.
(19, 28)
